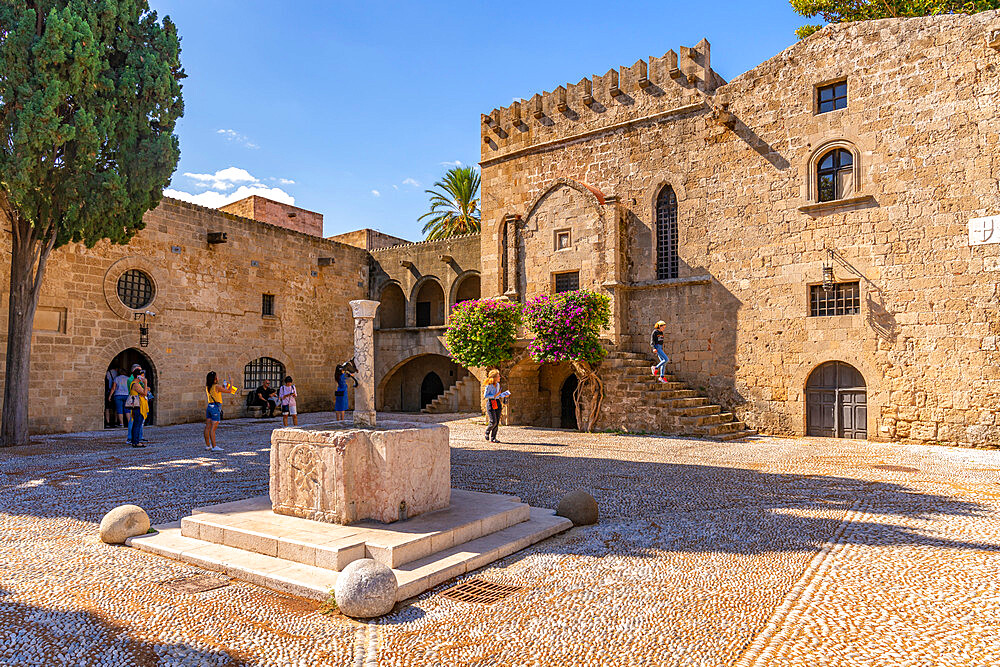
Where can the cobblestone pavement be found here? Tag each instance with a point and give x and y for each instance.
(764, 552)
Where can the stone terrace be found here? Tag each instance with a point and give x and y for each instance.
(761, 552)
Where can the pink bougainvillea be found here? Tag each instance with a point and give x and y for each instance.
(567, 326)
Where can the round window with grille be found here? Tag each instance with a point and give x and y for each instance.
(135, 289)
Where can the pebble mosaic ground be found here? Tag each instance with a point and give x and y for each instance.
(768, 551)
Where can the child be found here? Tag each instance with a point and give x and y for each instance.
(656, 341)
(287, 396)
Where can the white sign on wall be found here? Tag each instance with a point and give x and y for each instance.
(984, 230)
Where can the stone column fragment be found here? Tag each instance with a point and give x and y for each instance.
(364, 359)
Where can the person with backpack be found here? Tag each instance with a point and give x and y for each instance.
(119, 394)
(138, 390)
(340, 374)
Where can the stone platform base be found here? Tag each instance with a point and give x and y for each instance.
(248, 541)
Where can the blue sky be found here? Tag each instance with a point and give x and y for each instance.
(354, 109)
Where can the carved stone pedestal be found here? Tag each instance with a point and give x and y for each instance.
(345, 474)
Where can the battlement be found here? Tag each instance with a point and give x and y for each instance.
(631, 92)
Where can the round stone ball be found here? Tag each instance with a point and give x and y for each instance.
(122, 523)
(365, 589)
(579, 507)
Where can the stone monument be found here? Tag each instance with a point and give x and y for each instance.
(341, 492)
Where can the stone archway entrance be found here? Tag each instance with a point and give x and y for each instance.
(430, 388)
(567, 417)
(125, 359)
(836, 402)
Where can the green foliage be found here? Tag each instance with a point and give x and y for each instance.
(454, 205)
(567, 326)
(482, 332)
(842, 11)
(89, 95)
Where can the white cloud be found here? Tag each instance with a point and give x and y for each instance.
(216, 199)
(395, 187)
(453, 163)
(233, 135)
(223, 179)
(411, 181)
(376, 193)
(286, 181)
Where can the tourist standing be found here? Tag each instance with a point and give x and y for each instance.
(656, 342)
(287, 396)
(340, 374)
(109, 403)
(493, 397)
(138, 390)
(213, 413)
(119, 394)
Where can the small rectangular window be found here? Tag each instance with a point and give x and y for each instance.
(563, 239)
(843, 299)
(831, 97)
(267, 305)
(423, 313)
(567, 282)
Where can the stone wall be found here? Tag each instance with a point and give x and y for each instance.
(741, 159)
(369, 239)
(277, 213)
(208, 305)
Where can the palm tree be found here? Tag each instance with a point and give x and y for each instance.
(454, 205)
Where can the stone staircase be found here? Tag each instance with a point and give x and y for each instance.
(643, 403)
(463, 396)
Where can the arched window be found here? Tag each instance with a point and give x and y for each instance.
(835, 175)
(430, 304)
(262, 369)
(666, 234)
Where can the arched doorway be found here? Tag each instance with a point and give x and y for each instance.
(468, 289)
(568, 414)
(430, 388)
(836, 402)
(124, 361)
(429, 306)
(392, 313)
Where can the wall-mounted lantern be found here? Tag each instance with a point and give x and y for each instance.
(143, 327)
(828, 271)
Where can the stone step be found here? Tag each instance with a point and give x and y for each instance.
(735, 435)
(701, 411)
(727, 427)
(316, 583)
(250, 525)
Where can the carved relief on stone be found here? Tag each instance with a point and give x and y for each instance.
(304, 468)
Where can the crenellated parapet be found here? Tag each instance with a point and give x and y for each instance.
(659, 85)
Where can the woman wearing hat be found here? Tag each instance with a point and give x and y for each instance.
(656, 341)
(491, 392)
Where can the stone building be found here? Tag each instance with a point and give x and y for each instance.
(818, 234)
(215, 291)
(803, 229)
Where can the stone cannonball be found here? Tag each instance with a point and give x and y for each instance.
(365, 589)
(579, 507)
(122, 523)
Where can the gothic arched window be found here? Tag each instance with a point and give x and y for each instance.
(666, 234)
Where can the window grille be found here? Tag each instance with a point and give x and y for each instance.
(843, 299)
(835, 175)
(832, 97)
(267, 305)
(135, 289)
(568, 282)
(666, 234)
(262, 369)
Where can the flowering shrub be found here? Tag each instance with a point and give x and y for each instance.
(482, 332)
(567, 326)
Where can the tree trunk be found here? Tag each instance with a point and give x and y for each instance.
(27, 265)
(590, 385)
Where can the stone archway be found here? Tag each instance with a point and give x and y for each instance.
(836, 402)
(124, 361)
